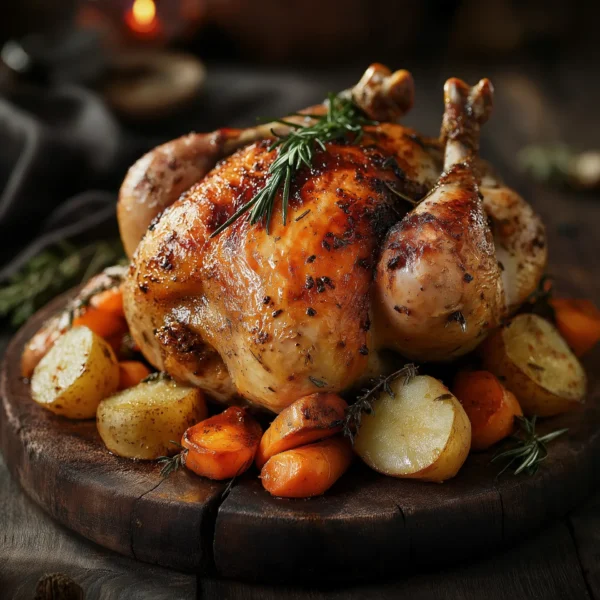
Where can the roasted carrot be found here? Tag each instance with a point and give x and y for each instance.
(131, 372)
(110, 301)
(491, 408)
(578, 321)
(222, 446)
(105, 324)
(38, 346)
(309, 470)
(307, 420)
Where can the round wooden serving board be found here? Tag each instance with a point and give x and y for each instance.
(366, 526)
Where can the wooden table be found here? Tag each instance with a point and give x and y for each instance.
(534, 104)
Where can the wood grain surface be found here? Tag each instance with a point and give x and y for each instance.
(126, 506)
(561, 561)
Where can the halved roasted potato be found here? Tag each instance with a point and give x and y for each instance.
(534, 362)
(75, 375)
(142, 421)
(422, 432)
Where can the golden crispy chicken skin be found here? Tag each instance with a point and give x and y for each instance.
(270, 316)
(288, 311)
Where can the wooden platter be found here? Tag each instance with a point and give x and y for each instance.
(367, 526)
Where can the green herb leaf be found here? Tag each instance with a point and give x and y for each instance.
(52, 272)
(530, 449)
(364, 402)
(343, 120)
(170, 464)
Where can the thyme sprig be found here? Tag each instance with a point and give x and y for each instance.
(539, 302)
(364, 402)
(52, 272)
(343, 120)
(530, 449)
(170, 464)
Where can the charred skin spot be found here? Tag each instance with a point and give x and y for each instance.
(180, 338)
(402, 310)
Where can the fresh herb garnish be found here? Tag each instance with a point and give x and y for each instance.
(550, 163)
(343, 120)
(51, 272)
(539, 302)
(317, 382)
(157, 376)
(529, 449)
(170, 464)
(364, 402)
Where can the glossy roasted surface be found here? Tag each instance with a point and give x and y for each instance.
(289, 310)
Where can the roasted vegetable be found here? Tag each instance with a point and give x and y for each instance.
(307, 471)
(75, 375)
(307, 420)
(419, 432)
(98, 306)
(131, 372)
(491, 408)
(533, 361)
(223, 446)
(143, 421)
(39, 345)
(578, 321)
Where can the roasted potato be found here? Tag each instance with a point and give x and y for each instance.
(533, 361)
(422, 432)
(141, 421)
(75, 375)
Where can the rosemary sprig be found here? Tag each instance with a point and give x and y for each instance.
(51, 272)
(158, 376)
(364, 402)
(170, 464)
(343, 120)
(530, 449)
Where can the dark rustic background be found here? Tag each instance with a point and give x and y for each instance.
(264, 58)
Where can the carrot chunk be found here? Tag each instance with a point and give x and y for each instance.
(307, 420)
(223, 446)
(491, 408)
(110, 301)
(39, 345)
(105, 324)
(131, 372)
(307, 471)
(578, 321)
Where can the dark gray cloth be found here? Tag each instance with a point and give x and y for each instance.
(63, 153)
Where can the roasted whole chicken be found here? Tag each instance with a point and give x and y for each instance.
(391, 241)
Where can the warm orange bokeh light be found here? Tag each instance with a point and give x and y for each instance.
(142, 16)
(144, 11)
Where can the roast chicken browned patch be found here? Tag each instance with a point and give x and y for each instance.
(392, 242)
